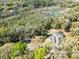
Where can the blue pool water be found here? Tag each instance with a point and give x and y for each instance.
(55, 12)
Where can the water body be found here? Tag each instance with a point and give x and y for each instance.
(56, 12)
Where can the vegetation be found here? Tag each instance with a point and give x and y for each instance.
(17, 49)
(67, 25)
(39, 53)
(19, 29)
(26, 24)
(11, 7)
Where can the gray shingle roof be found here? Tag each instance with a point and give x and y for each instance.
(56, 37)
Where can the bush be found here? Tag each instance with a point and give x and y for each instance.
(39, 53)
(3, 38)
(67, 25)
(4, 50)
(75, 32)
(17, 50)
(57, 23)
(75, 56)
(3, 31)
(72, 18)
(29, 26)
(69, 51)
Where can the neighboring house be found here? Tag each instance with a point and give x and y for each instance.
(56, 37)
(54, 40)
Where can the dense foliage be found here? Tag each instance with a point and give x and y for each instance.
(17, 49)
(13, 7)
(39, 53)
(29, 26)
(36, 21)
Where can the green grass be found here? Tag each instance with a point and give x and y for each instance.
(18, 49)
(39, 53)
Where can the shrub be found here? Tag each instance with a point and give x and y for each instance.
(3, 31)
(72, 18)
(67, 25)
(75, 56)
(39, 53)
(57, 22)
(57, 26)
(4, 50)
(17, 49)
(3, 38)
(29, 26)
(75, 32)
(69, 51)
(73, 10)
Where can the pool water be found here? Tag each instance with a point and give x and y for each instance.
(56, 12)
